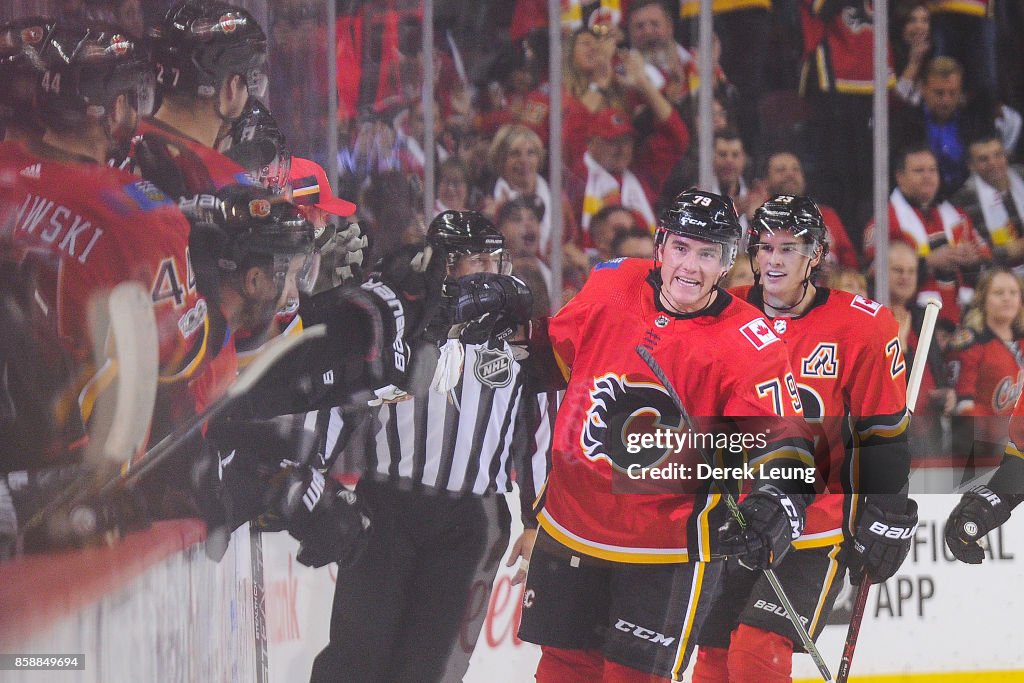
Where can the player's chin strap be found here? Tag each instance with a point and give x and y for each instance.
(803, 292)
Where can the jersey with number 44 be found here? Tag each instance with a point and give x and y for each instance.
(79, 228)
(850, 372)
(734, 378)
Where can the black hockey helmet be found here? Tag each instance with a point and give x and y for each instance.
(458, 233)
(704, 216)
(85, 69)
(245, 225)
(798, 215)
(20, 67)
(201, 42)
(256, 142)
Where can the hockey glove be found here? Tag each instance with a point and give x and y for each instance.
(773, 522)
(328, 520)
(492, 306)
(882, 542)
(979, 511)
(341, 255)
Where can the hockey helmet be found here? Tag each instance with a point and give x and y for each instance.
(703, 216)
(798, 215)
(84, 70)
(201, 42)
(256, 142)
(459, 233)
(247, 225)
(20, 66)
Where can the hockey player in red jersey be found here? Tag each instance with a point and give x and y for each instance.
(209, 58)
(986, 507)
(70, 232)
(851, 377)
(622, 574)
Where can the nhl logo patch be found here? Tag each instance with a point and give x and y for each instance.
(493, 367)
(661, 321)
(780, 325)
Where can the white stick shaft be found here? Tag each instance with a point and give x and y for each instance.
(924, 342)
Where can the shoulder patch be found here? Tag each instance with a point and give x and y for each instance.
(758, 333)
(147, 195)
(610, 265)
(962, 338)
(866, 305)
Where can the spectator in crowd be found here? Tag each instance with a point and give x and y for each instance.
(911, 48)
(847, 280)
(838, 80)
(518, 220)
(635, 243)
(516, 156)
(589, 87)
(740, 275)
(784, 174)
(729, 164)
(943, 121)
(744, 29)
(986, 353)
(966, 31)
(607, 224)
(993, 198)
(452, 186)
(666, 62)
(392, 204)
(937, 230)
(936, 398)
(607, 163)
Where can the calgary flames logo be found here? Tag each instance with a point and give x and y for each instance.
(619, 407)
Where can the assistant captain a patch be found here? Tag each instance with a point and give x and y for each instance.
(493, 367)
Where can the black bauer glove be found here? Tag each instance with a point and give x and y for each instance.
(979, 511)
(881, 544)
(492, 306)
(773, 522)
(329, 521)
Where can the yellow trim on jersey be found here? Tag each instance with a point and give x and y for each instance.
(886, 431)
(691, 613)
(825, 539)
(94, 387)
(954, 677)
(294, 329)
(610, 552)
(691, 8)
(190, 367)
(1013, 451)
(826, 586)
(703, 532)
(974, 9)
(562, 367)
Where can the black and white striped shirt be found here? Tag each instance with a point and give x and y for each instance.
(465, 442)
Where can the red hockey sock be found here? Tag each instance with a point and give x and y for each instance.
(756, 655)
(557, 665)
(620, 673)
(712, 666)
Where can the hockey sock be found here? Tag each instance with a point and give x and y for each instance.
(558, 665)
(620, 673)
(712, 665)
(756, 655)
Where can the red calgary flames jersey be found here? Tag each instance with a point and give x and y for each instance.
(80, 228)
(725, 361)
(179, 165)
(989, 375)
(850, 372)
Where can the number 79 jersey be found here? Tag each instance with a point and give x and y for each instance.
(852, 379)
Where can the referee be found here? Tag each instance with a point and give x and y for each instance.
(432, 470)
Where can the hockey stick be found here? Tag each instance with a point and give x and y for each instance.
(128, 321)
(924, 342)
(734, 509)
(272, 352)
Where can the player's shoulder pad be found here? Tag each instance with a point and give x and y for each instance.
(146, 195)
(963, 338)
(620, 272)
(869, 318)
(750, 324)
